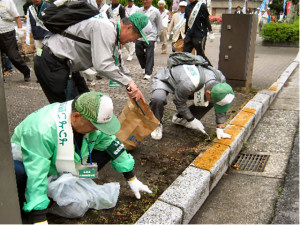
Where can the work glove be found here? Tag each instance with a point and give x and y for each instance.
(27, 41)
(39, 217)
(134, 92)
(211, 37)
(196, 125)
(59, 2)
(20, 33)
(221, 134)
(137, 186)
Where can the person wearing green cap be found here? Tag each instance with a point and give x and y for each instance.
(145, 49)
(62, 56)
(70, 137)
(196, 79)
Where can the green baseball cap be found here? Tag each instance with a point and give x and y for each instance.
(222, 95)
(142, 23)
(98, 109)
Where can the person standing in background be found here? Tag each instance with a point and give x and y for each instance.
(8, 41)
(177, 24)
(197, 18)
(144, 51)
(104, 9)
(238, 10)
(130, 9)
(165, 18)
(118, 10)
(34, 23)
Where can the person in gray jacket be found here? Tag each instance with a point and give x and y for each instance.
(62, 56)
(203, 82)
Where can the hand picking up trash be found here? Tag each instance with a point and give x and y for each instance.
(188, 75)
(76, 137)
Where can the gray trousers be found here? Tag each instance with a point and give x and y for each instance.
(157, 103)
(159, 100)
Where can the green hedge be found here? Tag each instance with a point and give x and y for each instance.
(281, 32)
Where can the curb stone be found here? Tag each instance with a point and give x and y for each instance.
(184, 197)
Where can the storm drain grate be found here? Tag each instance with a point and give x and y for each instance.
(251, 162)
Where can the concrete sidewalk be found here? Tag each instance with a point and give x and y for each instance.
(249, 197)
(179, 203)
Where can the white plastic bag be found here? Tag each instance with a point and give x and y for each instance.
(74, 196)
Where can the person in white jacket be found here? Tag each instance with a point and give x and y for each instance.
(177, 24)
(129, 10)
(165, 18)
(8, 42)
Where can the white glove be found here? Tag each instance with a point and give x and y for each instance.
(20, 33)
(59, 2)
(168, 36)
(221, 134)
(196, 125)
(27, 41)
(137, 186)
(211, 37)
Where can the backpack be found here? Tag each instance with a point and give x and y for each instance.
(186, 58)
(58, 18)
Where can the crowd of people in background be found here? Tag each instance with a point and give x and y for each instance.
(165, 24)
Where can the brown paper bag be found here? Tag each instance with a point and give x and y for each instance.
(178, 46)
(137, 122)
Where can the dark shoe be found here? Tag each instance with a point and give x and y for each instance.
(99, 77)
(27, 78)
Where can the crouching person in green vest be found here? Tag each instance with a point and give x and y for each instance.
(75, 137)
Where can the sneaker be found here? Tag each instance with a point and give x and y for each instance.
(179, 121)
(27, 78)
(129, 58)
(157, 133)
(147, 77)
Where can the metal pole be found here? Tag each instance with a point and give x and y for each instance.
(9, 203)
(229, 6)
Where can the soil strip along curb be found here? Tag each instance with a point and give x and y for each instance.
(184, 197)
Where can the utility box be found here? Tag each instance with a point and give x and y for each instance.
(237, 47)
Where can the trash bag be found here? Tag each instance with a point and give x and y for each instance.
(73, 196)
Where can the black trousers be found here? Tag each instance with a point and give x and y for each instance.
(53, 77)
(145, 55)
(8, 45)
(194, 42)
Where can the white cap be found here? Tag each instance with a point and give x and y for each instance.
(183, 3)
(161, 1)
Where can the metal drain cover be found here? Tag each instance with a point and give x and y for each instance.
(251, 162)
